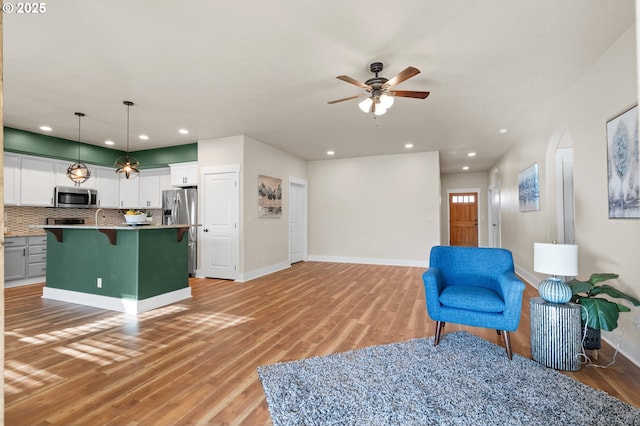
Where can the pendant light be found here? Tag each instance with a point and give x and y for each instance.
(78, 172)
(127, 166)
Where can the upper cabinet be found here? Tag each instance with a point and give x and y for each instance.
(37, 178)
(184, 174)
(108, 187)
(11, 179)
(145, 192)
(30, 181)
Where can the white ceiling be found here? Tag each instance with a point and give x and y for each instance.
(267, 69)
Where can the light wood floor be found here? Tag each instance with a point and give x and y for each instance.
(195, 362)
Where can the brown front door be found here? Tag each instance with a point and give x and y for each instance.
(463, 219)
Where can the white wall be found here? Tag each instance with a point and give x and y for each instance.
(459, 182)
(608, 88)
(380, 209)
(264, 242)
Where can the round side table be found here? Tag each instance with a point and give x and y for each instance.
(556, 334)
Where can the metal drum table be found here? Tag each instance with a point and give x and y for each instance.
(556, 334)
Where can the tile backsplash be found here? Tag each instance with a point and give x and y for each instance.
(18, 219)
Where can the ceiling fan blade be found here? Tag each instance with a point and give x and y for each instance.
(408, 94)
(402, 76)
(346, 99)
(353, 81)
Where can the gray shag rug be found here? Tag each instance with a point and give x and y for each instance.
(463, 381)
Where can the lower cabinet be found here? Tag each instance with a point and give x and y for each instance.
(37, 249)
(15, 258)
(25, 257)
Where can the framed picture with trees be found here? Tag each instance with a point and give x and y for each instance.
(623, 165)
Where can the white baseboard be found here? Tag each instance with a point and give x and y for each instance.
(252, 275)
(371, 261)
(115, 304)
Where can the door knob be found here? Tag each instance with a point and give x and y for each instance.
(205, 230)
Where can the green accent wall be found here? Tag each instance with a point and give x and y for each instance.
(145, 262)
(23, 142)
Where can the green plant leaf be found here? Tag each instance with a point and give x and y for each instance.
(600, 313)
(579, 286)
(600, 277)
(610, 291)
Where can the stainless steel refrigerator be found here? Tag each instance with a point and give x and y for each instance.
(180, 206)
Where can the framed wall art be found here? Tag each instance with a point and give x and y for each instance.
(269, 196)
(623, 165)
(529, 189)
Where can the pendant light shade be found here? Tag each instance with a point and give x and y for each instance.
(127, 166)
(78, 172)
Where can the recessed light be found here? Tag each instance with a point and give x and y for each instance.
(465, 168)
(502, 131)
(330, 152)
(471, 154)
(183, 131)
(46, 128)
(408, 145)
(143, 137)
(108, 142)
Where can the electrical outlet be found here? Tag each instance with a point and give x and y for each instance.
(99, 283)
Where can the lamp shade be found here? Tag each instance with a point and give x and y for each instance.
(365, 105)
(556, 259)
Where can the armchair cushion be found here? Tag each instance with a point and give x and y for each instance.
(472, 298)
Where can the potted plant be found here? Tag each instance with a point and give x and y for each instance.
(598, 313)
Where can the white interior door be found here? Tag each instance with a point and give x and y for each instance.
(297, 220)
(220, 236)
(494, 216)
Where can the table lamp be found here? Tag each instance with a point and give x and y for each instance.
(556, 260)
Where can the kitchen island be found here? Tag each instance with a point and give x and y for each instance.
(124, 268)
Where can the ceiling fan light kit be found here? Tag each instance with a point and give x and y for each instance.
(379, 97)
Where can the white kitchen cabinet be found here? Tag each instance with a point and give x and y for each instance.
(108, 186)
(37, 178)
(184, 174)
(129, 193)
(165, 180)
(150, 189)
(11, 179)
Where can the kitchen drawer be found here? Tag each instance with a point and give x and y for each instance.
(38, 240)
(15, 241)
(37, 258)
(37, 269)
(37, 249)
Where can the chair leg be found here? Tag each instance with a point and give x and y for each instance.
(507, 344)
(439, 327)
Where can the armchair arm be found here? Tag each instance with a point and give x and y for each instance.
(433, 286)
(512, 289)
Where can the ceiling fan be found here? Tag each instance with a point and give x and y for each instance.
(378, 90)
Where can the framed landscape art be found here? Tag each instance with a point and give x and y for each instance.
(528, 189)
(269, 196)
(623, 165)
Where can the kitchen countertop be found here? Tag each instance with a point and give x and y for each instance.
(122, 227)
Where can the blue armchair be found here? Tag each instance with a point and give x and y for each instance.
(473, 286)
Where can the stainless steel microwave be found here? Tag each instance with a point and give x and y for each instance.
(79, 198)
